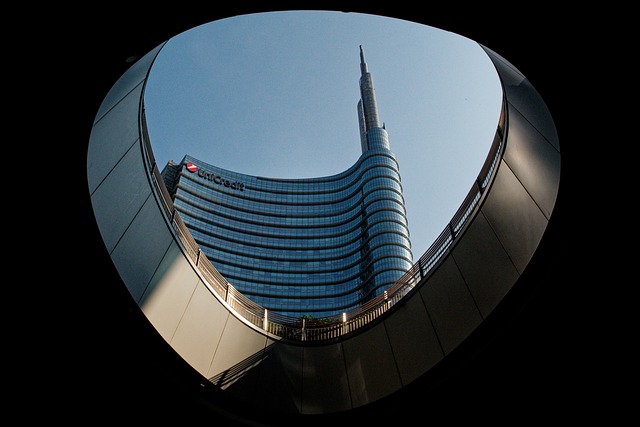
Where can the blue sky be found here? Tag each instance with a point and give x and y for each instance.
(274, 94)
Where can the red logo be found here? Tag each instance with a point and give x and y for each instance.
(191, 167)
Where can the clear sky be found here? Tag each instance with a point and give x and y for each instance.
(275, 94)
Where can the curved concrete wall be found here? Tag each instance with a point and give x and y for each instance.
(472, 278)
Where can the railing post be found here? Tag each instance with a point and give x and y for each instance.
(265, 321)
(344, 323)
(451, 231)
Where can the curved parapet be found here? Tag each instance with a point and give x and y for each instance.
(258, 367)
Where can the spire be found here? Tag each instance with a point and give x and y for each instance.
(367, 96)
(371, 134)
(363, 63)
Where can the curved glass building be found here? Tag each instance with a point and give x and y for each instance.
(314, 246)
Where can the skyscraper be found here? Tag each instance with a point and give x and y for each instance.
(313, 246)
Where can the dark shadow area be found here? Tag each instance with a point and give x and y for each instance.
(526, 362)
(238, 372)
(264, 380)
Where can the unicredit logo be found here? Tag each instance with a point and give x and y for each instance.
(214, 178)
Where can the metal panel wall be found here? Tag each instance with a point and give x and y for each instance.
(165, 300)
(112, 137)
(520, 231)
(534, 160)
(371, 366)
(485, 267)
(120, 197)
(325, 385)
(279, 382)
(200, 329)
(450, 305)
(413, 339)
(149, 238)
(136, 74)
(240, 349)
(522, 96)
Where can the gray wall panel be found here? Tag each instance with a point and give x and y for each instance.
(125, 84)
(112, 138)
(534, 161)
(371, 366)
(413, 340)
(325, 387)
(120, 197)
(237, 361)
(142, 247)
(170, 290)
(486, 268)
(279, 382)
(200, 329)
(450, 305)
(536, 112)
(521, 230)
(525, 98)
(239, 352)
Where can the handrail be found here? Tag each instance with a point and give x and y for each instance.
(333, 327)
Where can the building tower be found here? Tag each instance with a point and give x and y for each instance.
(313, 246)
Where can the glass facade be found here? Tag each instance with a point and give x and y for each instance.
(313, 246)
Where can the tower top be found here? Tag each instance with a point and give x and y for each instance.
(363, 62)
(371, 134)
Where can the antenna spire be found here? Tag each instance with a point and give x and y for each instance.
(371, 134)
(363, 62)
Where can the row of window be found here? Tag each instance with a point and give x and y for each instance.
(380, 164)
(263, 247)
(273, 235)
(328, 201)
(349, 291)
(323, 305)
(308, 270)
(288, 218)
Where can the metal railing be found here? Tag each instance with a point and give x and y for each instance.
(334, 327)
